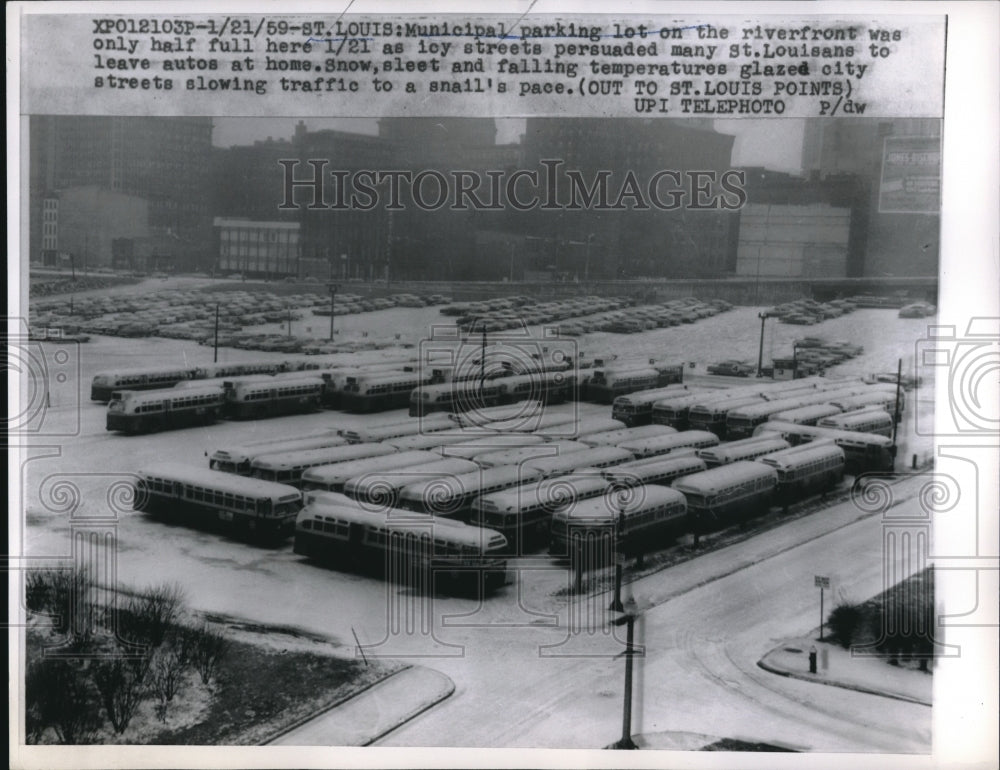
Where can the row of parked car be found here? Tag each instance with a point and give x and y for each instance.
(644, 317)
(348, 304)
(807, 311)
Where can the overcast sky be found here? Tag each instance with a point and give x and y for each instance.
(775, 144)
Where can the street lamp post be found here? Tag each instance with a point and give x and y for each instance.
(628, 617)
(616, 603)
(760, 351)
(334, 288)
(586, 262)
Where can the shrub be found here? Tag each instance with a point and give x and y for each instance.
(121, 683)
(844, 621)
(59, 695)
(208, 648)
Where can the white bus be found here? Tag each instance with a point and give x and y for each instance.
(590, 457)
(862, 421)
(238, 459)
(493, 457)
(661, 445)
(806, 469)
(654, 470)
(380, 489)
(523, 514)
(428, 552)
(206, 497)
(288, 467)
(651, 519)
(332, 477)
(452, 496)
(746, 449)
(411, 427)
(735, 492)
(807, 415)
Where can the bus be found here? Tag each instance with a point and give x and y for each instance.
(332, 477)
(862, 421)
(106, 383)
(547, 387)
(654, 470)
(435, 441)
(740, 423)
(288, 467)
(881, 399)
(806, 470)
(132, 412)
(615, 437)
(590, 457)
(650, 519)
(238, 459)
(807, 415)
(608, 384)
(711, 414)
(480, 417)
(207, 497)
(673, 411)
(239, 369)
(745, 449)
(637, 408)
(489, 442)
(523, 514)
(661, 445)
(863, 452)
(457, 396)
(451, 496)
(735, 492)
(428, 424)
(514, 455)
(380, 489)
(584, 427)
(293, 395)
(547, 422)
(380, 392)
(423, 552)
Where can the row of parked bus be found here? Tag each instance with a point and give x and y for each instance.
(153, 405)
(736, 412)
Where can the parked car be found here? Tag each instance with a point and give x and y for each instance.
(731, 369)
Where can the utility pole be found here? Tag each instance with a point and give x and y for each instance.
(215, 356)
(627, 619)
(512, 261)
(333, 293)
(896, 416)
(616, 603)
(760, 351)
(586, 263)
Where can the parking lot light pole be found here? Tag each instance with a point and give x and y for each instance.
(333, 293)
(215, 355)
(760, 351)
(616, 603)
(628, 617)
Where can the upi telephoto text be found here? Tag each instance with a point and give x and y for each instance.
(548, 188)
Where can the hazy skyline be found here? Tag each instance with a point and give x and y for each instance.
(775, 144)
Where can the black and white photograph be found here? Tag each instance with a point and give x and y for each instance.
(448, 386)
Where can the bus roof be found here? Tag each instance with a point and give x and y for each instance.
(548, 492)
(734, 473)
(516, 454)
(804, 453)
(399, 520)
(679, 439)
(460, 482)
(448, 466)
(168, 394)
(346, 469)
(223, 482)
(763, 443)
(809, 412)
(582, 458)
(609, 506)
(836, 434)
(321, 456)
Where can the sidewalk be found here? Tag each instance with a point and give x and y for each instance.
(839, 668)
(375, 712)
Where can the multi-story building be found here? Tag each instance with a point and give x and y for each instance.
(164, 161)
(895, 163)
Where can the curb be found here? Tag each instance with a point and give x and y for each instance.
(339, 702)
(416, 712)
(843, 685)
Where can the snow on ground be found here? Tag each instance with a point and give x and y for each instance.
(701, 675)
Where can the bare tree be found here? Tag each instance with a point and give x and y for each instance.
(59, 695)
(166, 675)
(210, 647)
(121, 682)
